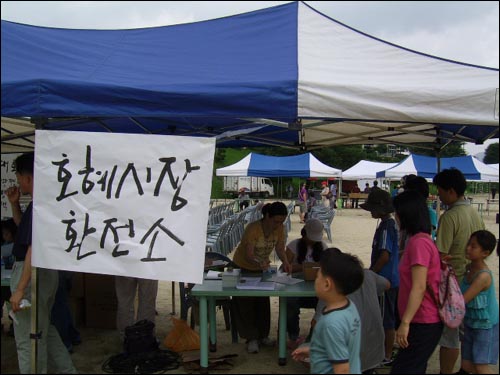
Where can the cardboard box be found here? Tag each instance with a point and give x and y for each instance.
(100, 301)
(310, 270)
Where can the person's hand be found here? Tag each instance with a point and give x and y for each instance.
(446, 258)
(264, 264)
(301, 353)
(402, 335)
(15, 300)
(13, 194)
(287, 267)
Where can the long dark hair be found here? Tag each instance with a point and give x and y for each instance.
(411, 208)
(302, 248)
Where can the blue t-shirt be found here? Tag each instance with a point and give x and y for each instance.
(386, 238)
(336, 339)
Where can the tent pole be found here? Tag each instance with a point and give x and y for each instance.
(34, 334)
(438, 161)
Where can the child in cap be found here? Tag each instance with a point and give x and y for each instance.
(385, 260)
(305, 249)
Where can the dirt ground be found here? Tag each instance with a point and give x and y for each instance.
(352, 231)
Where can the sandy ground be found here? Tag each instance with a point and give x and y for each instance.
(352, 231)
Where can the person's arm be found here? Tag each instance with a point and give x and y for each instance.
(290, 256)
(481, 282)
(251, 258)
(14, 195)
(301, 353)
(419, 282)
(280, 250)
(18, 294)
(444, 235)
(382, 260)
(341, 368)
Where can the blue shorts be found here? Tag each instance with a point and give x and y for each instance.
(480, 346)
(390, 308)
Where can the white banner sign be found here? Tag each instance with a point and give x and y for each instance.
(122, 204)
(8, 179)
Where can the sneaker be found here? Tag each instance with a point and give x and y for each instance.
(266, 341)
(253, 346)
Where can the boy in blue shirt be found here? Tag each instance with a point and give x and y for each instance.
(336, 338)
(385, 260)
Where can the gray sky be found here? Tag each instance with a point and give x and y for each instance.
(464, 31)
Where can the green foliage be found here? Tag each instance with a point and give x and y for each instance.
(429, 149)
(491, 154)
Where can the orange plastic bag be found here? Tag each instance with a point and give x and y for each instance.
(182, 338)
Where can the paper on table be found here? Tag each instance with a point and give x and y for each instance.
(284, 279)
(255, 283)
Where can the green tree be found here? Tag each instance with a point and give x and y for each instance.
(491, 154)
(429, 149)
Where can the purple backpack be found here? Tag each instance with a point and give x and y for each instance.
(450, 301)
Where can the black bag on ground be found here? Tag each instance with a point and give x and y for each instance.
(139, 338)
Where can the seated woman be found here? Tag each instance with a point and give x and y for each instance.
(261, 237)
(305, 249)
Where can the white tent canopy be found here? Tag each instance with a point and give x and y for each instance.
(365, 170)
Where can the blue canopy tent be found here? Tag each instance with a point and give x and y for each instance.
(427, 167)
(285, 76)
(305, 165)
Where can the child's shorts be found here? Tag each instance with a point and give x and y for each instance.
(480, 345)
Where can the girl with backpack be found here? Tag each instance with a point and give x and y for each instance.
(421, 326)
(480, 342)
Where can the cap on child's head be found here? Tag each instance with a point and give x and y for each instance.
(314, 230)
(378, 201)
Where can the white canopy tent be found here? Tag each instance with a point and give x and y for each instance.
(365, 170)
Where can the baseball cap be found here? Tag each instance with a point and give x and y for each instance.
(314, 230)
(378, 201)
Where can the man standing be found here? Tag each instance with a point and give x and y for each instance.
(454, 230)
(333, 199)
(50, 345)
(289, 190)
